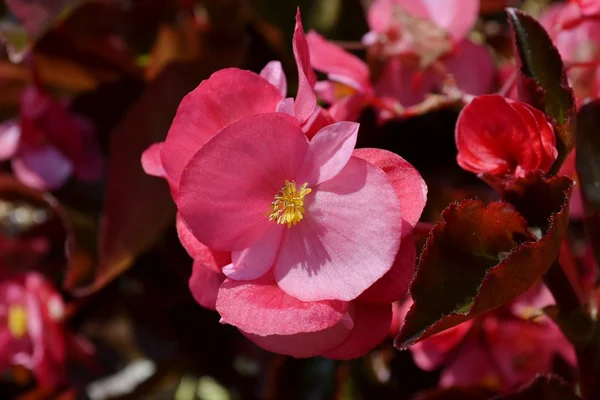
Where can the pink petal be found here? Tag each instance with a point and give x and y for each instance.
(273, 72)
(432, 352)
(10, 133)
(228, 186)
(328, 153)
(348, 239)
(151, 162)
(335, 61)
(227, 96)
(306, 100)
(467, 54)
(405, 83)
(394, 285)
(213, 260)
(380, 15)
(457, 17)
(43, 168)
(371, 325)
(408, 183)
(348, 109)
(257, 258)
(471, 366)
(320, 119)
(204, 285)
(305, 344)
(262, 308)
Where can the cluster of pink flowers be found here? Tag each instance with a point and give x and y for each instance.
(32, 330)
(299, 240)
(502, 350)
(412, 47)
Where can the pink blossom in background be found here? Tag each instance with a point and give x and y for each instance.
(501, 350)
(47, 144)
(499, 137)
(575, 30)
(32, 333)
(404, 77)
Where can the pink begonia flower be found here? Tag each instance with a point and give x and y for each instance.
(47, 144)
(501, 350)
(401, 83)
(575, 30)
(32, 333)
(228, 96)
(298, 284)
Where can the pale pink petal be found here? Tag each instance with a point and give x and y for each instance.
(151, 162)
(227, 96)
(273, 72)
(204, 285)
(213, 260)
(306, 99)
(228, 186)
(287, 106)
(43, 168)
(379, 15)
(335, 61)
(328, 153)
(405, 83)
(262, 308)
(467, 54)
(257, 258)
(10, 133)
(394, 285)
(407, 181)
(304, 344)
(348, 239)
(320, 119)
(326, 91)
(371, 325)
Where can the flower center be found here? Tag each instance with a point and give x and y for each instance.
(288, 207)
(17, 321)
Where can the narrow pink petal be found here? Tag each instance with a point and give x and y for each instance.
(326, 91)
(227, 96)
(348, 109)
(304, 344)
(394, 285)
(287, 106)
(273, 72)
(10, 133)
(348, 239)
(468, 53)
(371, 326)
(328, 153)
(228, 186)
(257, 258)
(320, 119)
(213, 260)
(332, 59)
(151, 162)
(204, 285)
(43, 168)
(306, 99)
(407, 181)
(262, 308)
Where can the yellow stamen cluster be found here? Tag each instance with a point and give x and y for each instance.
(17, 321)
(288, 207)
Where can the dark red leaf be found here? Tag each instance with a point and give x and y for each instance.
(482, 256)
(544, 387)
(542, 81)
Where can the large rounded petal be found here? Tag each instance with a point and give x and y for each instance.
(228, 186)
(407, 181)
(227, 96)
(43, 168)
(371, 326)
(304, 344)
(204, 285)
(202, 254)
(338, 63)
(262, 308)
(394, 285)
(348, 239)
(328, 153)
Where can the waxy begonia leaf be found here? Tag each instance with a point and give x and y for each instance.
(481, 256)
(547, 387)
(541, 77)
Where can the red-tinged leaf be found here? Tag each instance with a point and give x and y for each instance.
(481, 256)
(542, 81)
(544, 387)
(35, 18)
